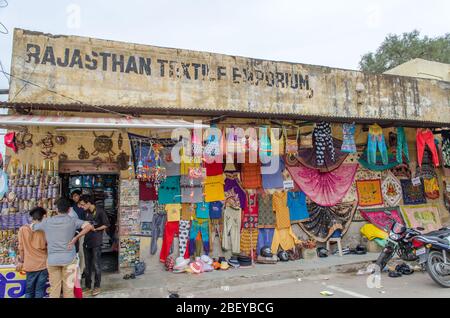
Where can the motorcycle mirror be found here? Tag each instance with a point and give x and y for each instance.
(420, 228)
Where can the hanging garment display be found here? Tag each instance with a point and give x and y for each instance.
(183, 237)
(425, 137)
(191, 189)
(215, 210)
(323, 221)
(380, 219)
(265, 146)
(324, 188)
(412, 194)
(424, 215)
(187, 211)
(231, 229)
(375, 140)
(251, 175)
(392, 189)
(250, 213)
(298, 211)
(170, 191)
(266, 216)
(283, 238)
(323, 143)
(215, 232)
(431, 187)
(402, 146)
(199, 226)
(308, 157)
(233, 189)
(249, 241)
(279, 202)
(427, 170)
(173, 211)
(157, 228)
(272, 173)
(445, 148)
(369, 192)
(171, 230)
(378, 165)
(348, 143)
(171, 167)
(215, 188)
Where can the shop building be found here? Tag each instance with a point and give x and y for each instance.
(83, 114)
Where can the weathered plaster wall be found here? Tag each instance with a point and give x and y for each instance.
(103, 72)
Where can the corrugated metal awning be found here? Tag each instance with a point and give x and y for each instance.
(96, 122)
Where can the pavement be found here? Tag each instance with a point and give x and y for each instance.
(158, 283)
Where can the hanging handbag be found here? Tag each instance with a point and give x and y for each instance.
(291, 144)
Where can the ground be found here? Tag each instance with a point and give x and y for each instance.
(298, 279)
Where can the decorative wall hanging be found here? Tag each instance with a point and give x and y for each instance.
(323, 221)
(83, 153)
(122, 160)
(365, 174)
(431, 187)
(60, 139)
(426, 170)
(425, 215)
(120, 141)
(369, 192)
(103, 144)
(24, 139)
(62, 157)
(392, 189)
(412, 194)
(324, 188)
(380, 219)
(47, 146)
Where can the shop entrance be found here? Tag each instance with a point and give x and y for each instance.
(101, 182)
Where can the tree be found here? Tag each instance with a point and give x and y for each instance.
(396, 50)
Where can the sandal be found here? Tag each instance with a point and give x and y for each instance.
(129, 276)
(404, 269)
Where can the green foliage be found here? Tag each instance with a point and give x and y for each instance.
(396, 50)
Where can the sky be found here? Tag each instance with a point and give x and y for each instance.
(329, 33)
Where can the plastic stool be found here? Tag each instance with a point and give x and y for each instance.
(338, 241)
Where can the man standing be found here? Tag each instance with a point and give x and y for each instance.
(93, 242)
(33, 256)
(61, 261)
(78, 212)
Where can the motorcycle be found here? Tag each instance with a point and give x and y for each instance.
(399, 242)
(432, 250)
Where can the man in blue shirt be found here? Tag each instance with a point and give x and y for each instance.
(60, 234)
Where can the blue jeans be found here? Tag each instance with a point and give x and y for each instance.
(36, 284)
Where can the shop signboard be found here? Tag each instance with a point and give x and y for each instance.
(13, 283)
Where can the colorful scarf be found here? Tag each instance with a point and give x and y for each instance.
(308, 157)
(324, 188)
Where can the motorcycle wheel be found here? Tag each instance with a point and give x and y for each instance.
(383, 259)
(436, 258)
